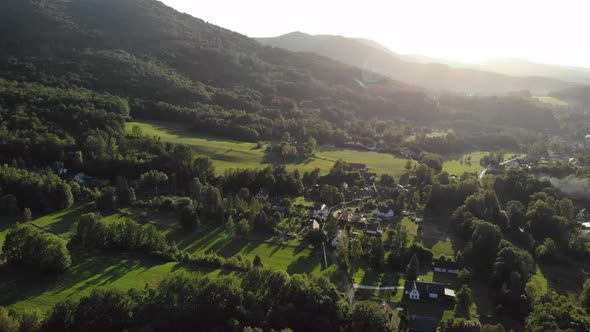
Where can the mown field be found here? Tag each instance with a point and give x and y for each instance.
(22, 289)
(227, 154)
(459, 164)
(551, 101)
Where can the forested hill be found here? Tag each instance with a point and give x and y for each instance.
(577, 95)
(144, 48)
(172, 66)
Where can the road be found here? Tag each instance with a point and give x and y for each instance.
(357, 286)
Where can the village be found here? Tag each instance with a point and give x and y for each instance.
(369, 213)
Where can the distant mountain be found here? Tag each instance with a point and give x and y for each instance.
(372, 56)
(522, 67)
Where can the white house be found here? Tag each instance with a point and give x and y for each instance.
(262, 195)
(321, 211)
(383, 213)
(416, 290)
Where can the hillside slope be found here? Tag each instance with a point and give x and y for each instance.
(435, 76)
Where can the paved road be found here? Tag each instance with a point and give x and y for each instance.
(357, 286)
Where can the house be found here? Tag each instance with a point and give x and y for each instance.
(313, 224)
(344, 186)
(321, 211)
(582, 216)
(345, 217)
(337, 238)
(358, 167)
(422, 324)
(417, 290)
(262, 195)
(278, 208)
(383, 213)
(80, 178)
(446, 266)
(374, 229)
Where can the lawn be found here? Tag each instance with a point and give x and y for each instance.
(551, 101)
(25, 290)
(227, 154)
(61, 222)
(435, 236)
(6, 222)
(457, 164)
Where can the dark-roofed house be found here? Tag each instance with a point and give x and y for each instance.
(446, 266)
(374, 229)
(358, 167)
(417, 290)
(422, 324)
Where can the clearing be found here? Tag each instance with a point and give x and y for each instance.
(227, 154)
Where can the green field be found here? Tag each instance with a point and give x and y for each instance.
(62, 221)
(453, 164)
(227, 154)
(25, 290)
(551, 101)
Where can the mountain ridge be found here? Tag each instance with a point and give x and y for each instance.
(408, 69)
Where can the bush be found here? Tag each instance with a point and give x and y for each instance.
(27, 246)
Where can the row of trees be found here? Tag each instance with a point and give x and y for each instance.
(261, 298)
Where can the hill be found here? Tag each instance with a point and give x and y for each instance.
(174, 67)
(522, 67)
(576, 95)
(436, 76)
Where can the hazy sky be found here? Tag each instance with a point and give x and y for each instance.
(464, 30)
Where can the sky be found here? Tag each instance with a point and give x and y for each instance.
(544, 31)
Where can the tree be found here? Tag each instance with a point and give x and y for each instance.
(29, 247)
(136, 131)
(368, 316)
(566, 208)
(152, 180)
(413, 268)
(585, 296)
(30, 321)
(125, 194)
(330, 195)
(27, 215)
(257, 262)
(7, 323)
(408, 166)
(107, 201)
(463, 302)
(316, 237)
(243, 227)
(188, 217)
(547, 250)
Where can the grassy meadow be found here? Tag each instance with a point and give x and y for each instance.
(456, 164)
(551, 101)
(227, 154)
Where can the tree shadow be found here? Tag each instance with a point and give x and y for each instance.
(68, 219)
(305, 264)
